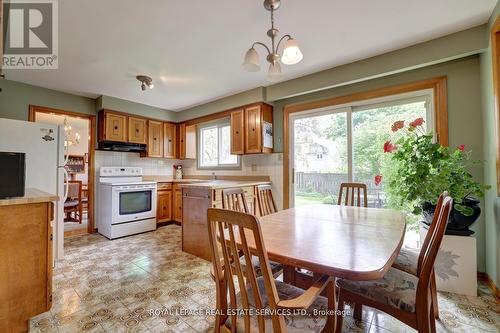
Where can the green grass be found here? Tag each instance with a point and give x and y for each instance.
(307, 200)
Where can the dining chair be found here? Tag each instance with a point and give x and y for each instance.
(353, 195)
(402, 295)
(262, 302)
(73, 203)
(234, 199)
(410, 260)
(265, 200)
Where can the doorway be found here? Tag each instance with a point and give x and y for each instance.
(79, 132)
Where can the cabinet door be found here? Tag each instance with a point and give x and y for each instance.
(237, 132)
(182, 141)
(155, 141)
(164, 207)
(178, 206)
(253, 127)
(137, 130)
(169, 140)
(116, 127)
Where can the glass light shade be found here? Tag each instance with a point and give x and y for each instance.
(291, 53)
(274, 73)
(251, 62)
(151, 86)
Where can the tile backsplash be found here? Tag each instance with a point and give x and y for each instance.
(150, 166)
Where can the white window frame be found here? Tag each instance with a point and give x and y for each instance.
(219, 124)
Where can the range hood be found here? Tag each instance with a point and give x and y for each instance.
(122, 146)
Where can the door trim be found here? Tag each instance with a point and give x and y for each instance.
(33, 109)
(438, 84)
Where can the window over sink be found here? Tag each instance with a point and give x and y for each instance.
(214, 146)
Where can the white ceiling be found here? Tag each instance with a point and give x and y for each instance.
(194, 49)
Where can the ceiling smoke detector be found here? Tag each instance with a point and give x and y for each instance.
(146, 82)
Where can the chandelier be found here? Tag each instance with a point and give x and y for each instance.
(291, 52)
(70, 137)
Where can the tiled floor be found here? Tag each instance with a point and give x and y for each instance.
(111, 286)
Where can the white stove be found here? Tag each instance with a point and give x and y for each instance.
(126, 204)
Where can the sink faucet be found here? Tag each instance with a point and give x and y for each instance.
(214, 177)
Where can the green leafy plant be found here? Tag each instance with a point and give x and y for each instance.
(417, 170)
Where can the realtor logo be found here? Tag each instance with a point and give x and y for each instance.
(30, 34)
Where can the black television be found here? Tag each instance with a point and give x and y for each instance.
(12, 174)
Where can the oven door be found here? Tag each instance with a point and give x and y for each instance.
(133, 203)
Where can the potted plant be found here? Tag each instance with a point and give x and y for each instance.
(418, 170)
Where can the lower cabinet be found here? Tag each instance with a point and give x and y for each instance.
(177, 200)
(169, 203)
(164, 207)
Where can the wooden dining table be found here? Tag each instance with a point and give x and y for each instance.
(355, 243)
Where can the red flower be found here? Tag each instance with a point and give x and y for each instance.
(389, 147)
(398, 125)
(417, 122)
(378, 180)
(461, 147)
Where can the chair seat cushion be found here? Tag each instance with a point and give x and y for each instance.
(70, 203)
(407, 260)
(397, 289)
(308, 321)
(276, 268)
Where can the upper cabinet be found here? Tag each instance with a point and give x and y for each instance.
(252, 130)
(137, 130)
(187, 141)
(155, 139)
(112, 126)
(169, 140)
(238, 132)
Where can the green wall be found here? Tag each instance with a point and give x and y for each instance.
(16, 97)
(491, 202)
(117, 104)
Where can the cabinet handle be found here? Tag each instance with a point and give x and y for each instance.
(237, 132)
(116, 127)
(169, 140)
(253, 129)
(137, 130)
(154, 139)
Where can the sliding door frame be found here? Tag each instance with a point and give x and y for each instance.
(438, 85)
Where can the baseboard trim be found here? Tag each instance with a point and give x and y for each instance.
(493, 287)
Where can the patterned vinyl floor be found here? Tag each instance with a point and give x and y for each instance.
(145, 283)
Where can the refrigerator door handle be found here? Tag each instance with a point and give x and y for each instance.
(66, 184)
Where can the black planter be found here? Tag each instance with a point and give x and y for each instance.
(458, 224)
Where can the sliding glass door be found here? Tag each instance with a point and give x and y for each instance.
(342, 144)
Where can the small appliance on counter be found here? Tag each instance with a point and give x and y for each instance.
(126, 204)
(178, 172)
(12, 174)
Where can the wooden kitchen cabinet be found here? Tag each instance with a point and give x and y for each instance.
(255, 119)
(164, 205)
(137, 130)
(112, 126)
(238, 132)
(187, 141)
(155, 139)
(169, 140)
(25, 259)
(177, 204)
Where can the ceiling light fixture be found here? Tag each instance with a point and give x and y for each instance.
(291, 51)
(146, 82)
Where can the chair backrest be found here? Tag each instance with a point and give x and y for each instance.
(265, 200)
(230, 236)
(424, 276)
(353, 196)
(75, 189)
(428, 237)
(234, 199)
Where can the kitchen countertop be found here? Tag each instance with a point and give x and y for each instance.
(169, 179)
(31, 195)
(220, 184)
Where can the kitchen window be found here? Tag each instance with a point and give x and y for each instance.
(214, 146)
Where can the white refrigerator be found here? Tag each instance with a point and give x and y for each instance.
(46, 157)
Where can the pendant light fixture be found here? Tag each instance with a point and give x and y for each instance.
(291, 51)
(146, 82)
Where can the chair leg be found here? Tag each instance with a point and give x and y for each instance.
(340, 309)
(432, 320)
(434, 295)
(358, 311)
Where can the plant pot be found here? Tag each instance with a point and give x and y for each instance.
(458, 223)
